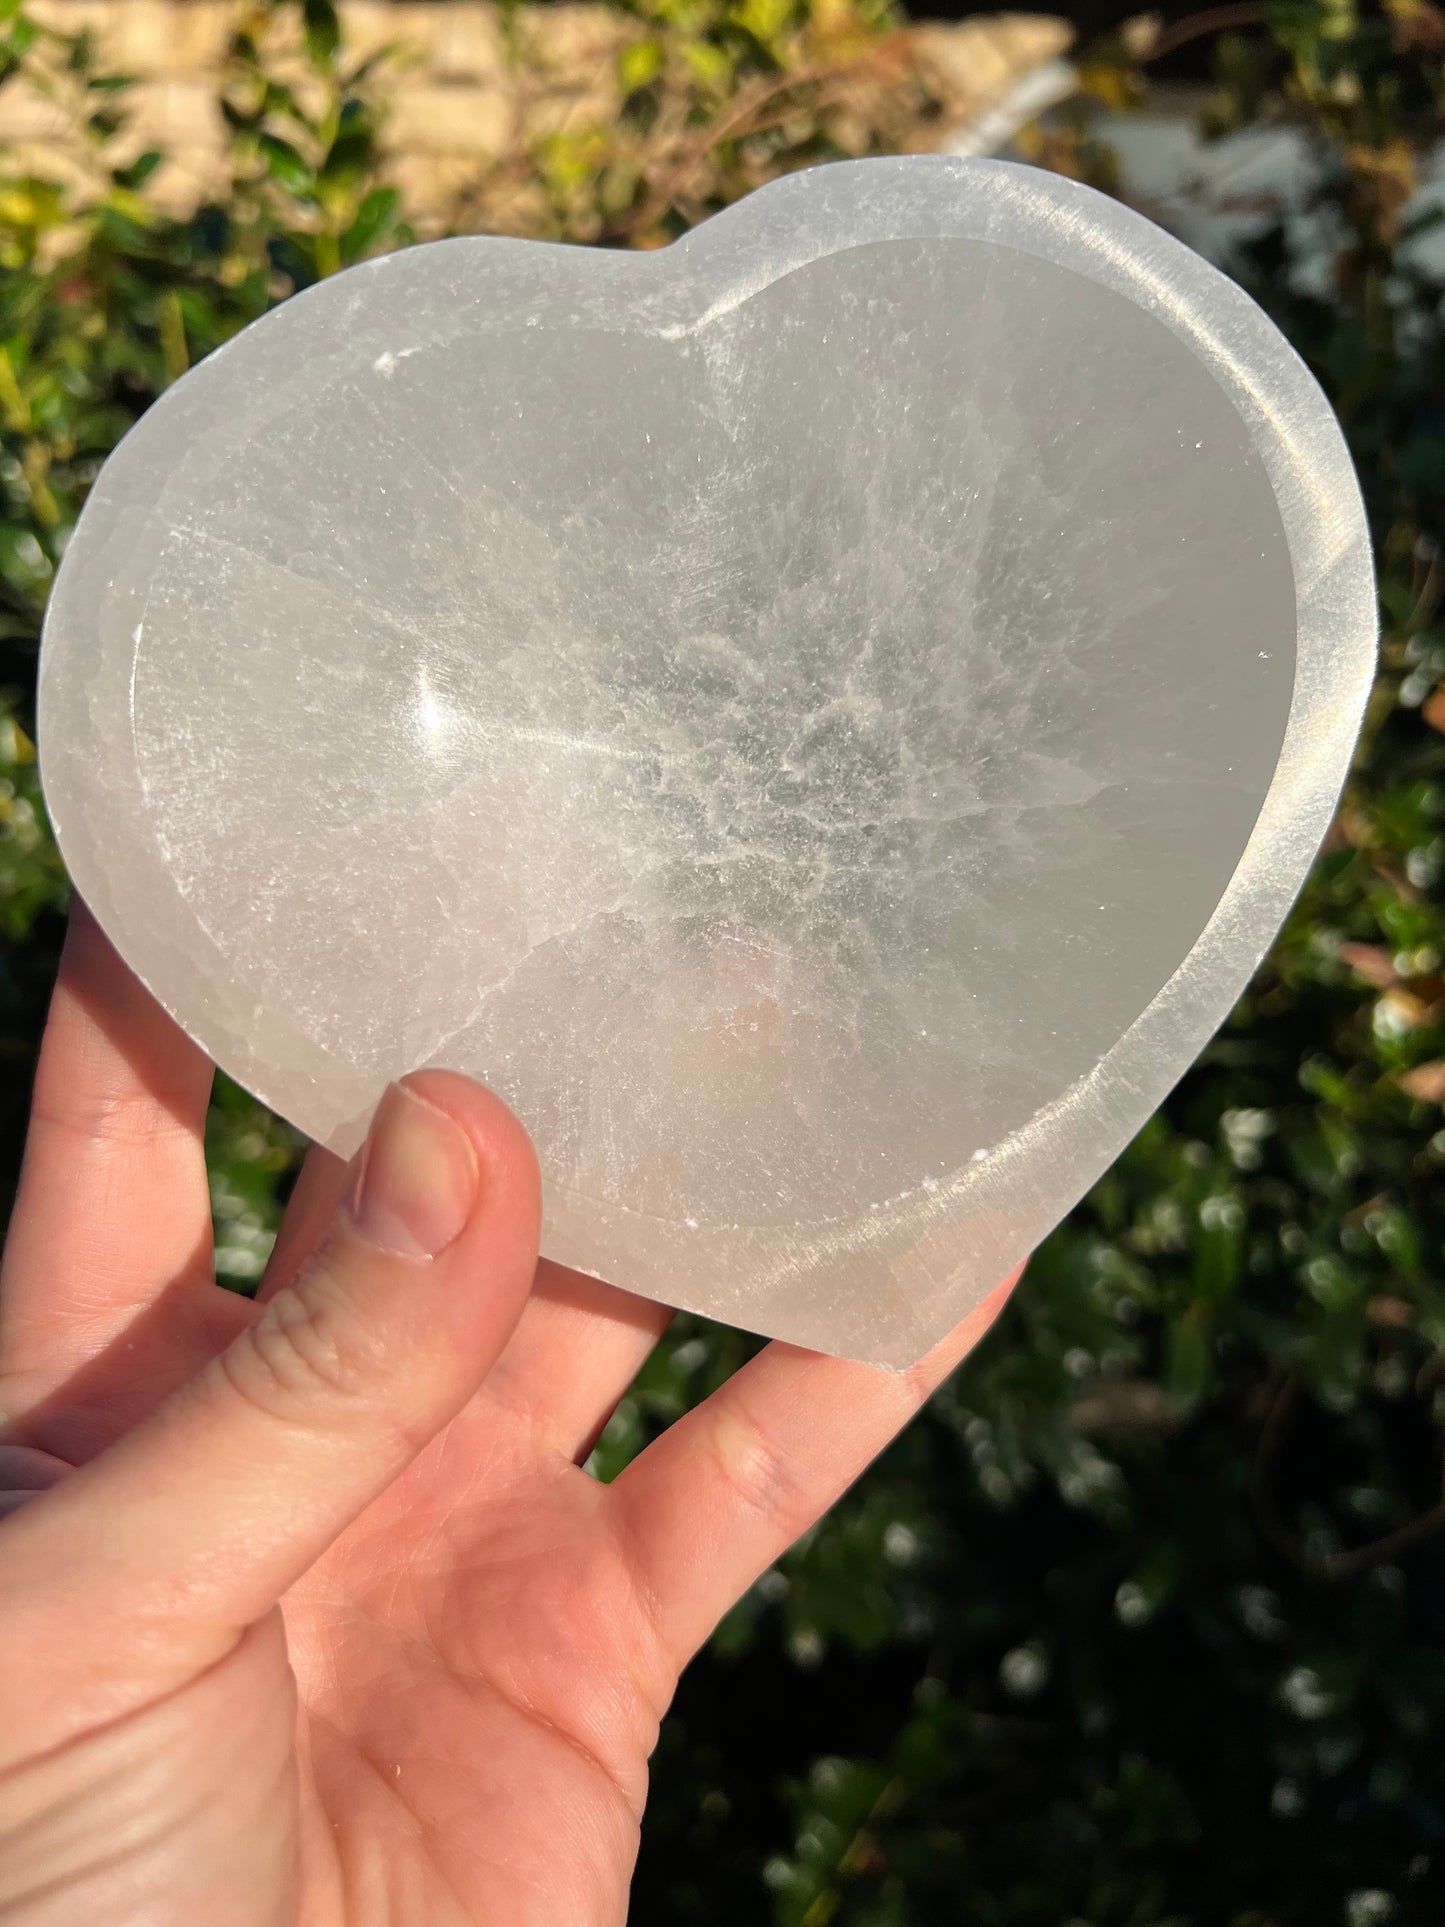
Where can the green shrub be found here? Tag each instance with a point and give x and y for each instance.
(1142, 1625)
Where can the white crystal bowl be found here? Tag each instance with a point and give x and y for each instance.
(824, 718)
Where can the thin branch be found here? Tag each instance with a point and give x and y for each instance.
(1198, 26)
(1333, 1566)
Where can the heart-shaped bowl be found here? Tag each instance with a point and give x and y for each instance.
(824, 718)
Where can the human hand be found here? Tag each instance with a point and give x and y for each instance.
(308, 1613)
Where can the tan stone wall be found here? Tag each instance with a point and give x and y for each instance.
(455, 99)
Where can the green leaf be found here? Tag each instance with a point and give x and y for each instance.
(322, 30)
(286, 165)
(639, 64)
(1218, 1246)
(374, 217)
(139, 171)
(1188, 1360)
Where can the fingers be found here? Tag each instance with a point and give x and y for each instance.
(113, 1204)
(728, 1488)
(578, 1347)
(25, 1468)
(24, 1472)
(194, 1525)
(309, 1210)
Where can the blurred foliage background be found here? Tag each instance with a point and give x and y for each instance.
(1143, 1625)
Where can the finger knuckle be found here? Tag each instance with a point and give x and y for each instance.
(917, 1383)
(122, 1119)
(756, 1474)
(309, 1355)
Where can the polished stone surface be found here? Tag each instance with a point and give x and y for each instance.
(823, 719)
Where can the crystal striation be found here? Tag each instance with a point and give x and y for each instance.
(823, 718)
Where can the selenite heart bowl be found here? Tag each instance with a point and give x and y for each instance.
(824, 718)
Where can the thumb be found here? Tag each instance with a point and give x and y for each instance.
(159, 1552)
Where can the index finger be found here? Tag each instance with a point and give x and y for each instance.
(726, 1490)
(113, 1204)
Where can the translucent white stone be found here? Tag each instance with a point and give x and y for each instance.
(824, 718)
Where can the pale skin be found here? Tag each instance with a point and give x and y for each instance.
(309, 1616)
